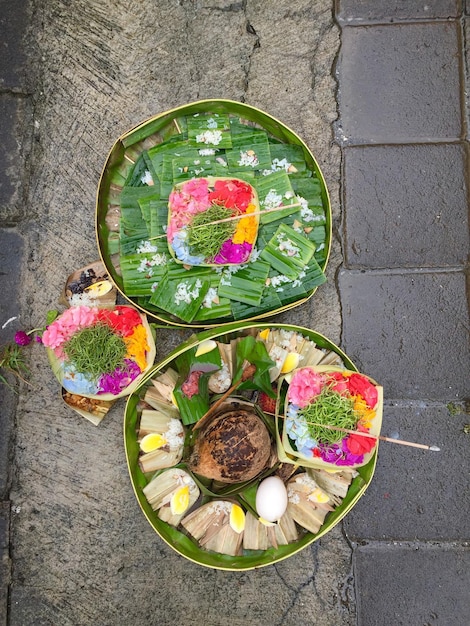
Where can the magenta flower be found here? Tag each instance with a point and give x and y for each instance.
(339, 454)
(22, 338)
(119, 379)
(233, 252)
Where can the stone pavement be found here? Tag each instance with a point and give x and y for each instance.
(75, 548)
(403, 129)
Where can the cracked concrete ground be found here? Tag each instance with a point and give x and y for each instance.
(82, 551)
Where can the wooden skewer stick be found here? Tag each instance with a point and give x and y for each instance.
(380, 437)
(247, 373)
(241, 216)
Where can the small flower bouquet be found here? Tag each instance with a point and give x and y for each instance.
(328, 414)
(100, 353)
(212, 221)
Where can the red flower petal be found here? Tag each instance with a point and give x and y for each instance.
(360, 385)
(360, 445)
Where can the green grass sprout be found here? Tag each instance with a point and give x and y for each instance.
(95, 350)
(206, 237)
(332, 409)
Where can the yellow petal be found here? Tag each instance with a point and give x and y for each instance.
(319, 496)
(237, 518)
(205, 346)
(99, 289)
(151, 442)
(180, 500)
(291, 362)
(264, 334)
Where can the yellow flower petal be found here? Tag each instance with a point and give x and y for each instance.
(237, 518)
(137, 346)
(205, 347)
(291, 362)
(264, 334)
(99, 289)
(179, 502)
(319, 496)
(151, 442)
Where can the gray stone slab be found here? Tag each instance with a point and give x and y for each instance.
(466, 24)
(412, 585)
(7, 415)
(417, 494)
(400, 83)
(5, 563)
(406, 206)
(15, 133)
(14, 22)
(11, 256)
(359, 11)
(409, 331)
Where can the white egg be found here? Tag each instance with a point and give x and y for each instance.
(271, 499)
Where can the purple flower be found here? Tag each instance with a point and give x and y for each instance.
(119, 379)
(233, 252)
(22, 338)
(339, 454)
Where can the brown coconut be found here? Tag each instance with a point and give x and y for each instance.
(233, 447)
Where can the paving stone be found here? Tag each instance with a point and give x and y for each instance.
(15, 131)
(404, 205)
(7, 412)
(356, 11)
(11, 256)
(409, 331)
(466, 23)
(400, 83)
(14, 21)
(412, 585)
(11, 253)
(417, 494)
(5, 563)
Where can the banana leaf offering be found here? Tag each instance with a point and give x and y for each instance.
(202, 436)
(212, 213)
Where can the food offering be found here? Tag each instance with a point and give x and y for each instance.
(212, 213)
(212, 221)
(99, 353)
(202, 436)
(329, 413)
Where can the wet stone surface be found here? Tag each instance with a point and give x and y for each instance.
(400, 83)
(358, 11)
(412, 584)
(404, 311)
(417, 494)
(404, 205)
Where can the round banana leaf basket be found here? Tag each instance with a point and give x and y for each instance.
(213, 212)
(217, 517)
